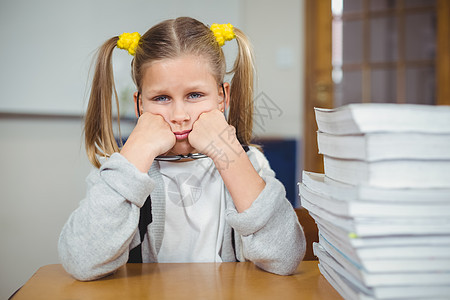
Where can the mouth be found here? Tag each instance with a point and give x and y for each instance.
(181, 135)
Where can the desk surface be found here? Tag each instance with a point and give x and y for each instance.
(181, 281)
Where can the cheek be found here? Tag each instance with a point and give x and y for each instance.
(203, 107)
(161, 110)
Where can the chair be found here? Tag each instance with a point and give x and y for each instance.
(310, 230)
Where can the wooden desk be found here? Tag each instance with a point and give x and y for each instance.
(181, 281)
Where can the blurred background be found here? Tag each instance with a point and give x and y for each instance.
(308, 53)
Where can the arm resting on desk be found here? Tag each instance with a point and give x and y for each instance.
(269, 231)
(95, 240)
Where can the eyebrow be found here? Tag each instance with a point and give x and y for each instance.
(193, 87)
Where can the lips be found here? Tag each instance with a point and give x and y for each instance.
(181, 135)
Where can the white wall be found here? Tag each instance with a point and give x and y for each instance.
(42, 160)
(276, 30)
(47, 48)
(42, 179)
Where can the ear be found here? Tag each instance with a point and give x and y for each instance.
(136, 106)
(225, 99)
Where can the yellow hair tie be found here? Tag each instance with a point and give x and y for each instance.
(129, 42)
(223, 32)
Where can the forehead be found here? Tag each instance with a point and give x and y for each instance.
(182, 68)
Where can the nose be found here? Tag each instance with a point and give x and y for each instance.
(179, 113)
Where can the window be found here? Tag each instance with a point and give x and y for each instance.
(384, 51)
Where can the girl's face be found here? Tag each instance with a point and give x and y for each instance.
(180, 90)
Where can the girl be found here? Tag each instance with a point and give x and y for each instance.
(185, 187)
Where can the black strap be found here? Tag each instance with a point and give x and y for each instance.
(233, 243)
(145, 218)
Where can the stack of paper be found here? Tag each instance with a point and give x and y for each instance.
(383, 205)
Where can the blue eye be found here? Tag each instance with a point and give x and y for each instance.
(161, 99)
(195, 95)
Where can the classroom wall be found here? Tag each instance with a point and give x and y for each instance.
(276, 30)
(42, 160)
(42, 179)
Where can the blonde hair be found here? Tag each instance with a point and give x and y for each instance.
(168, 39)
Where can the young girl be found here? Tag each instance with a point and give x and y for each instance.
(185, 187)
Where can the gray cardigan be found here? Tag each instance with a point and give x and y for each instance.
(98, 235)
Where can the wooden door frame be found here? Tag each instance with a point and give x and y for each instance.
(443, 52)
(318, 80)
(318, 93)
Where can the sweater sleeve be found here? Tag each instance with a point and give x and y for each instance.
(95, 240)
(270, 233)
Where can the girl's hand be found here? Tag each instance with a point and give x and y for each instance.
(213, 136)
(151, 137)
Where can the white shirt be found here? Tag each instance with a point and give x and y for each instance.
(195, 211)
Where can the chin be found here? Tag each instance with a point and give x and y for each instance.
(182, 147)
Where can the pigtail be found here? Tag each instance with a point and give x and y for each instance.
(98, 127)
(241, 91)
